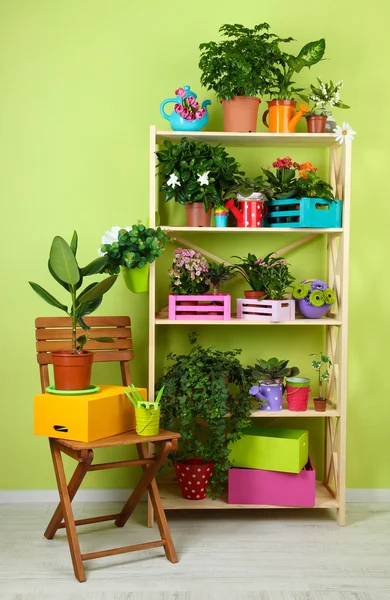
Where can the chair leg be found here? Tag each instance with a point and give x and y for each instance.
(73, 486)
(66, 509)
(141, 487)
(159, 512)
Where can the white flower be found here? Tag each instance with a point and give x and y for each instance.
(343, 133)
(111, 236)
(203, 179)
(173, 180)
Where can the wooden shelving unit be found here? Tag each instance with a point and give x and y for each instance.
(330, 493)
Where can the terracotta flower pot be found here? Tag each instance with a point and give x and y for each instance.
(319, 404)
(251, 295)
(316, 124)
(196, 215)
(72, 371)
(240, 113)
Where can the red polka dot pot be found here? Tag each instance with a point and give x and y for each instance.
(193, 478)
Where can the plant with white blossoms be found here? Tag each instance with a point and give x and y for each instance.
(323, 95)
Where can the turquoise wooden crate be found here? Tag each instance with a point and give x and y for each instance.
(304, 212)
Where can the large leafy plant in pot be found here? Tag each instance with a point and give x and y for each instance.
(72, 368)
(239, 68)
(198, 176)
(201, 388)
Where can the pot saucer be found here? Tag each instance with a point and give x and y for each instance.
(91, 390)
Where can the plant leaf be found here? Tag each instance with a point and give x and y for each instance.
(47, 297)
(58, 280)
(86, 308)
(106, 340)
(74, 243)
(63, 262)
(94, 267)
(98, 290)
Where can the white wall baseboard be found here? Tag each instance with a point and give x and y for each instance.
(83, 495)
(368, 495)
(121, 495)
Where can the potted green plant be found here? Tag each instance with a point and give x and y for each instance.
(281, 109)
(294, 180)
(322, 95)
(321, 363)
(131, 250)
(198, 176)
(201, 389)
(269, 376)
(72, 368)
(269, 277)
(251, 270)
(238, 69)
(218, 274)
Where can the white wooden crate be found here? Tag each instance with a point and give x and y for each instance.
(266, 310)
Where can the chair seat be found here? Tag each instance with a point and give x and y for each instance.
(122, 439)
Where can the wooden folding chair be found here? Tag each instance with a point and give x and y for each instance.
(53, 334)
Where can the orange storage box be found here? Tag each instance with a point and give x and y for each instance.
(85, 418)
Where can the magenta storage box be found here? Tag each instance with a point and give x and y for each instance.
(209, 307)
(255, 486)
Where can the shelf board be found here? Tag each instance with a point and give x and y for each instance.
(310, 412)
(301, 230)
(173, 500)
(235, 321)
(304, 140)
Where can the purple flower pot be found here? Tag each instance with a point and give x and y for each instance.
(271, 393)
(309, 311)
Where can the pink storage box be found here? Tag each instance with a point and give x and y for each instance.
(210, 307)
(255, 486)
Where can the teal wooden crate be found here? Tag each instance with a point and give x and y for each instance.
(271, 449)
(304, 212)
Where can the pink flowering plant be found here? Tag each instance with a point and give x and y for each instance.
(189, 109)
(188, 274)
(295, 180)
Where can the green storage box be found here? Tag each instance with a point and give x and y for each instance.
(271, 449)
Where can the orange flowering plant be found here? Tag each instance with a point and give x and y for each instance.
(294, 180)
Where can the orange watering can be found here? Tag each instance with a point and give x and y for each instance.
(283, 117)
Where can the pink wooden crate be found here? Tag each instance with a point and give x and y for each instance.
(205, 306)
(266, 310)
(256, 486)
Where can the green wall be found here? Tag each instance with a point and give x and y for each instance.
(80, 83)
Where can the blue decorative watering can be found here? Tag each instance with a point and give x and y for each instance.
(179, 123)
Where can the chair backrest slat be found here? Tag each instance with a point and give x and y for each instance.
(55, 333)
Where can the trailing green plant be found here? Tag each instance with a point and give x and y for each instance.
(272, 370)
(242, 64)
(218, 274)
(64, 268)
(269, 274)
(196, 172)
(201, 388)
(322, 95)
(132, 247)
(321, 363)
(287, 65)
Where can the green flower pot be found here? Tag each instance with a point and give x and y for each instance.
(137, 280)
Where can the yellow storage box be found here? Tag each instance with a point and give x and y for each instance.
(85, 418)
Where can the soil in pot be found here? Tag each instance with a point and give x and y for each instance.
(319, 404)
(72, 371)
(316, 124)
(193, 477)
(240, 114)
(197, 216)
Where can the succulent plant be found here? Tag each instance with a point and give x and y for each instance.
(272, 370)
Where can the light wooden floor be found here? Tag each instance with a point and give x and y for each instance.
(232, 555)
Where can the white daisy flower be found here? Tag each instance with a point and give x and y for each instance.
(203, 179)
(344, 133)
(173, 181)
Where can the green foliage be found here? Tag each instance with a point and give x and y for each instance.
(201, 388)
(218, 274)
(242, 64)
(134, 248)
(249, 186)
(187, 160)
(269, 274)
(322, 95)
(321, 363)
(287, 64)
(294, 180)
(271, 371)
(64, 268)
